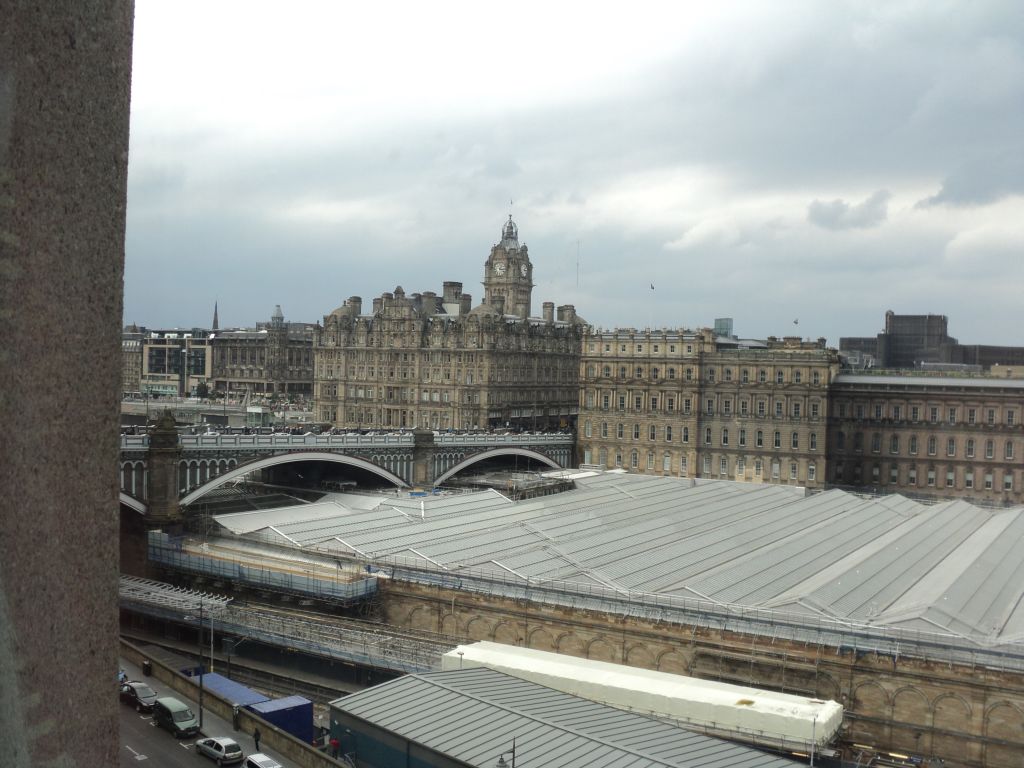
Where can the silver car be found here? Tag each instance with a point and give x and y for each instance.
(220, 749)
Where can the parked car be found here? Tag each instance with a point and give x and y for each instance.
(139, 695)
(220, 749)
(259, 760)
(175, 716)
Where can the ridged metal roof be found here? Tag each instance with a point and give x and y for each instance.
(951, 567)
(473, 715)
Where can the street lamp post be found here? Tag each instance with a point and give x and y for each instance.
(501, 758)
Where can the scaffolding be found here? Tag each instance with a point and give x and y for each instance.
(361, 643)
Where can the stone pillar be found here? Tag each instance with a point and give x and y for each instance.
(422, 455)
(162, 463)
(65, 80)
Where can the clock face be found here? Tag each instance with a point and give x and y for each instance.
(522, 270)
(499, 268)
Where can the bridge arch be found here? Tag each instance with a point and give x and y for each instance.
(132, 503)
(287, 458)
(526, 452)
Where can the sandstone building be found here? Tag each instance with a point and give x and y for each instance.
(437, 362)
(693, 404)
(273, 358)
(940, 437)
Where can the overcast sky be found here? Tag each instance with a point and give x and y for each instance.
(770, 162)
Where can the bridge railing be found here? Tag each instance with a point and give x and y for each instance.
(489, 439)
(272, 442)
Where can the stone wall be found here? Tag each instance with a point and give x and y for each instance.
(968, 716)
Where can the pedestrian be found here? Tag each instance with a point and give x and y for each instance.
(334, 746)
(256, 738)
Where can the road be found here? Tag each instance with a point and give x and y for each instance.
(143, 745)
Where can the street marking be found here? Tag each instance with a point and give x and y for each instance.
(138, 755)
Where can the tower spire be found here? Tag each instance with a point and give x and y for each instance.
(216, 326)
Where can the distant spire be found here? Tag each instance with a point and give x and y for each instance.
(216, 325)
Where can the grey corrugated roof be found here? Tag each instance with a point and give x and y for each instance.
(887, 561)
(474, 714)
(967, 382)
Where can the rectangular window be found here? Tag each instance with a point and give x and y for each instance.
(876, 443)
(619, 432)
(622, 402)
(935, 415)
(743, 407)
(638, 402)
(894, 444)
(604, 429)
(707, 465)
(668, 433)
(778, 409)
(686, 406)
(759, 439)
(743, 438)
(670, 404)
(814, 410)
(707, 436)
(1008, 450)
(723, 466)
(950, 478)
(811, 469)
(778, 440)
(1007, 482)
(972, 415)
(931, 477)
(588, 429)
(991, 416)
(814, 441)
(952, 415)
(988, 481)
(652, 432)
(878, 412)
(775, 470)
(915, 413)
(969, 479)
(760, 408)
(796, 410)
(913, 445)
(741, 464)
(931, 446)
(686, 434)
(727, 407)
(605, 402)
(758, 467)
(990, 449)
(951, 446)
(912, 476)
(725, 437)
(650, 461)
(794, 441)
(666, 463)
(682, 466)
(897, 413)
(654, 403)
(636, 431)
(792, 470)
(894, 474)
(710, 407)
(1010, 418)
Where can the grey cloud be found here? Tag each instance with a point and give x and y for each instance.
(984, 180)
(838, 214)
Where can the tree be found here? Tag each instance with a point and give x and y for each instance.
(202, 390)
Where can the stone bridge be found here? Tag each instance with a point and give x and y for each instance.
(162, 471)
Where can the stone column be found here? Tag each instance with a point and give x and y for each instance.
(162, 466)
(65, 81)
(422, 455)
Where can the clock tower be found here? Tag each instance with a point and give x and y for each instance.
(508, 273)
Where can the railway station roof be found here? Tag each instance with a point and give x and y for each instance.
(950, 568)
(473, 715)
